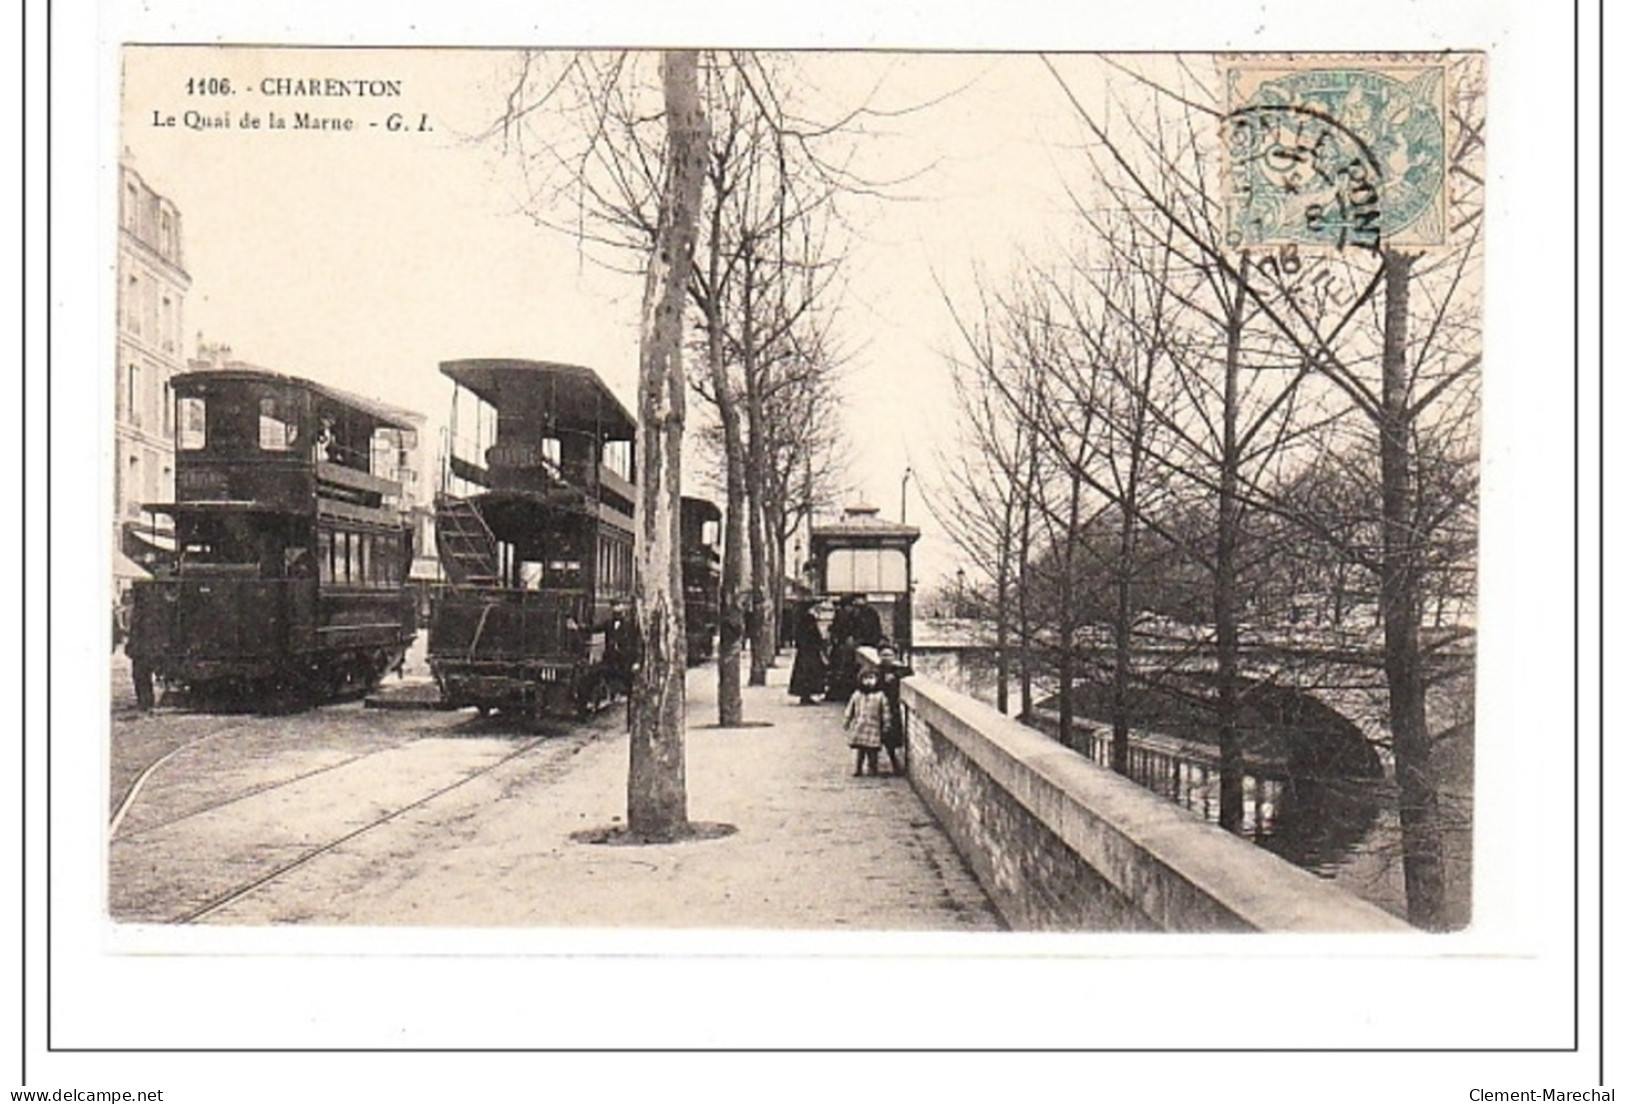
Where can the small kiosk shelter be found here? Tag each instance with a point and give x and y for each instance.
(863, 553)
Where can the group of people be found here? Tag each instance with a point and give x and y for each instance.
(860, 667)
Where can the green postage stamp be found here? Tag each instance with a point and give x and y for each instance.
(1335, 154)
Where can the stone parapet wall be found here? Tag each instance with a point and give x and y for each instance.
(1060, 843)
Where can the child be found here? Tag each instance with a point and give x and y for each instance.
(891, 673)
(866, 716)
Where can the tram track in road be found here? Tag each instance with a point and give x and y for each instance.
(251, 792)
(224, 725)
(221, 900)
(133, 790)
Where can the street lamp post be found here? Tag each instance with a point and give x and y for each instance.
(902, 516)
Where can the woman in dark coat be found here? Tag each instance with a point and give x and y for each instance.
(807, 676)
(843, 662)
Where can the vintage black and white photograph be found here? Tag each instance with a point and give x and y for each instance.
(819, 490)
(989, 550)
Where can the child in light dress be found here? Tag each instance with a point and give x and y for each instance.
(867, 714)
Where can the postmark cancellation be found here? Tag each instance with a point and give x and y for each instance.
(1335, 153)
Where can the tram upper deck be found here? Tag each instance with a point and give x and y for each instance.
(257, 439)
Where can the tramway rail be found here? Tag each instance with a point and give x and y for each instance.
(221, 900)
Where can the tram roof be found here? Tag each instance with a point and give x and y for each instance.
(575, 396)
(392, 417)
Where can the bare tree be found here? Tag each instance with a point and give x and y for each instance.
(760, 263)
(801, 439)
(762, 274)
(581, 170)
(1130, 330)
(988, 493)
(1413, 374)
(657, 796)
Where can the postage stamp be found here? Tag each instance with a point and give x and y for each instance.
(1335, 155)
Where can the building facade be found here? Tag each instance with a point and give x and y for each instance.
(152, 287)
(409, 466)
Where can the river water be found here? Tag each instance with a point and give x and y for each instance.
(1341, 828)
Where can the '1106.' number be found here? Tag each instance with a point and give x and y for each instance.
(208, 86)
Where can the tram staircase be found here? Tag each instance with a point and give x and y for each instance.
(467, 547)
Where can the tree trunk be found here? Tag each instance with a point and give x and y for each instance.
(1122, 630)
(656, 786)
(781, 571)
(757, 624)
(731, 613)
(760, 622)
(1024, 544)
(1231, 767)
(1066, 670)
(1401, 609)
(1001, 630)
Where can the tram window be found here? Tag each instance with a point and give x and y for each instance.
(340, 557)
(377, 557)
(618, 458)
(278, 430)
(389, 554)
(564, 574)
(866, 569)
(190, 420)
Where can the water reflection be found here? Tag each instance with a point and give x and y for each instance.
(1319, 800)
(1312, 822)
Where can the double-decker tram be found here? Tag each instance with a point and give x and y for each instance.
(534, 530)
(291, 546)
(701, 525)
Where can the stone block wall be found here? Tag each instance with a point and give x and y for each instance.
(1060, 843)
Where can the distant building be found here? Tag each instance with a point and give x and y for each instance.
(417, 500)
(152, 287)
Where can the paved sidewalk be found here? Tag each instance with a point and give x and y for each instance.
(815, 847)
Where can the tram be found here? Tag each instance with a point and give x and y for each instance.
(533, 524)
(291, 545)
(701, 524)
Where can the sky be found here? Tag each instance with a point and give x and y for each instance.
(364, 258)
